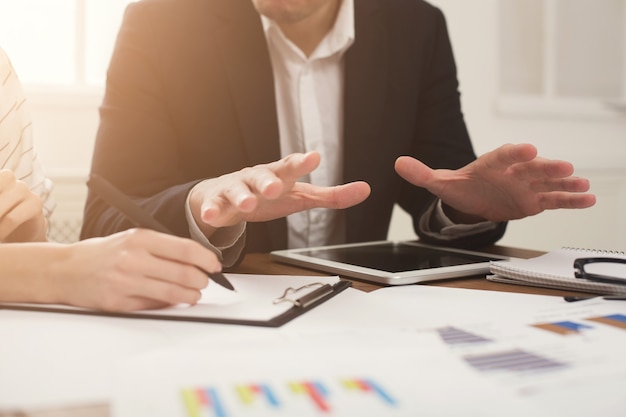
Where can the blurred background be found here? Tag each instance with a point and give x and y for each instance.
(548, 72)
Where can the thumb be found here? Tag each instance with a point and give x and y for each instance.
(413, 171)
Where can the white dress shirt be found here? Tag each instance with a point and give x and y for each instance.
(16, 136)
(309, 100)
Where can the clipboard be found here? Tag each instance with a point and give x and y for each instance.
(260, 300)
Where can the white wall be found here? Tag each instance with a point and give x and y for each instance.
(596, 145)
(64, 129)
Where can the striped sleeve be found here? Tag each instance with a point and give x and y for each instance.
(17, 152)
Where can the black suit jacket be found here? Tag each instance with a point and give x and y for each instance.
(190, 96)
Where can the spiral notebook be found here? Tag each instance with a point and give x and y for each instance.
(555, 269)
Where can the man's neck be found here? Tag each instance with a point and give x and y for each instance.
(308, 33)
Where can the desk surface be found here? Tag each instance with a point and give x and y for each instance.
(260, 263)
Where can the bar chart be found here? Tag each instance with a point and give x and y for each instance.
(271, 399)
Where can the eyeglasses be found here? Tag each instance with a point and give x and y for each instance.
(609, 270)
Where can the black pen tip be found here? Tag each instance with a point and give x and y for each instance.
(571, 299)
(220, 279)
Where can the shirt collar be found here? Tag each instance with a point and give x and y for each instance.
(338, 40)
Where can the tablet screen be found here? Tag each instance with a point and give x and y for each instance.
(395, 257)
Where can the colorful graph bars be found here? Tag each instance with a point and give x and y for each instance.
(200, 401)
(248, 394)
(204, 402)
(616, 320)
(571, 327)
(515, 360)
(563, 327)
(316, 391)
(455, 336)
(326, 397)
(369, 386)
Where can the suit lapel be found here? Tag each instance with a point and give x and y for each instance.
(366, 78)
(249, 73)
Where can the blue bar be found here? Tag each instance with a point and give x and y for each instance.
(382, 393)
(218, 408)
(319, 387)
(617, 317)
(271, 398)
(572, 326)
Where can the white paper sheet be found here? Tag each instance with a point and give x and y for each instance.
(51, 359)
(411, 373)
(399, 336)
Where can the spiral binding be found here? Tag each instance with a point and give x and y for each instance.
(596, 251)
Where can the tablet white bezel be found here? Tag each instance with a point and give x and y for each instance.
(299, 258)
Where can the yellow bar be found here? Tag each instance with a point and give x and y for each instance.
(191, 403)
(245, 394)
(297, 387)
(351, 384)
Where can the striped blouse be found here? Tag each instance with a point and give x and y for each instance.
(16, 136)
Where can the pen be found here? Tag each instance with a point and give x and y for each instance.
(139, 215)
(571, 299)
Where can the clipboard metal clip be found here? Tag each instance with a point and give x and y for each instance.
(307, 299)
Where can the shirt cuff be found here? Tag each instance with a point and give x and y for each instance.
(227, 242)
(436, 224)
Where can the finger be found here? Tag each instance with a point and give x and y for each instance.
(239, 196)
(260, 181)
(133, 292)
(129, 304)
(413, 171)
(560, 200)
(257, 179)
(337, 197)
(220, 212)
(264, 182)
(182, 252)
(558, 169)
(13, 217)
(9, 198)
(168, 293)
(351, 194)
(269, 181)
(176, 272)
(212, 208)
(282, 174)
(507, 155)
(7, 178)
(165, 286)
(294, 166)
(6, 229)
(570, 184)
(542, 168)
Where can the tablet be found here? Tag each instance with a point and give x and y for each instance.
(392, 263)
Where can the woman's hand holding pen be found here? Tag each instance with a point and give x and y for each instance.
(133, 270)
(267, 192)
